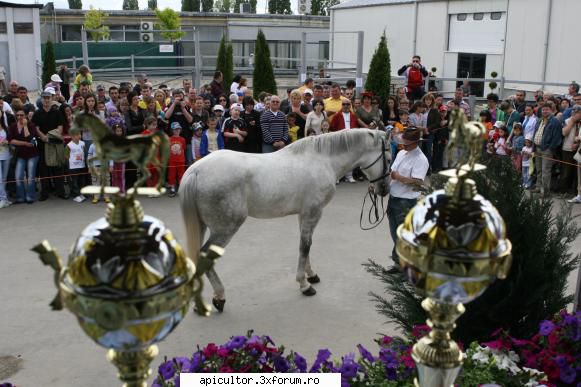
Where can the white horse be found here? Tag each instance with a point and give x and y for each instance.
(221, 190)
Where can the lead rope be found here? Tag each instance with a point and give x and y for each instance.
(373, 217)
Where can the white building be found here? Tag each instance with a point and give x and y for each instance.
(528, 40)
(20, 42)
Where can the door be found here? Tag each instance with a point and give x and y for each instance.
(472, 66)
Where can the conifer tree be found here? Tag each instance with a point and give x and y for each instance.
(252, 6)
(237, 6)
(48, 63)
(537, 282)
(284, 7)
(75, 4)
(207, 5)
(263, 77)
(152, 5)
(379, 74)
(188, 6)
(196, 4)
(272, 6)
(225, 61)
(226, 6)
(130, 5)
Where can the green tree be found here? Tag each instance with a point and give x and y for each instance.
(317, 7)
(284, 7)
(168, 20)
(187, 6)
(379, 74)
(130, 5)
(48, 63)
(263, 77)
(196, 4)
(225, 61)
(152, 5)
(94, 23)
(272, 6)
(226, 6)
(535, 288)
(75, 4)
(207, 5)
(252, 6)
(237, 6)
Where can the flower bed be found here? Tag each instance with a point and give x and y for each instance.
(550, 358)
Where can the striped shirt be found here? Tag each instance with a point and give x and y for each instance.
(274, 127)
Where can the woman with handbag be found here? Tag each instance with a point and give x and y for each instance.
(22, 135)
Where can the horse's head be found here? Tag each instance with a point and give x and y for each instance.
(93, 123)
(376, 164)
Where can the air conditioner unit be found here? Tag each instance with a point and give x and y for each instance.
(244, 7)
(304, 7)
(146, 31)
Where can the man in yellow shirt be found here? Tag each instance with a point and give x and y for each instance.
(146, 91)
(334, 102)
(308, 84)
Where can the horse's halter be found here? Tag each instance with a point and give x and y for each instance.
(386, 170)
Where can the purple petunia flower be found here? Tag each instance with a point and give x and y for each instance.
(167, 370)
(561, 361)
(280, 364)
(300, 362)
(388, 358)
(196, 362)
(365, 353)
(391, 374)
(349, 369)
(546, 328)
(235, 342)
(568, 375)
(322, 356)
(183, 363)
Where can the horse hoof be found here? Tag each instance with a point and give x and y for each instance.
(310, 291)
(314, 279)
(218, 304)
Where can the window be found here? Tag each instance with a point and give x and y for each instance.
(3, 28)
(478, 16)
(461, 17)
(132, 33)
(116, 33)
(71, 33)
(23, 28)
(495, 15)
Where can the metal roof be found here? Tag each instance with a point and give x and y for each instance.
(369, 3)
(5, 4)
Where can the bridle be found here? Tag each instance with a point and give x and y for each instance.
(374, 209)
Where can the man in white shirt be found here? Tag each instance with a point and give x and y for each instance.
(408, 172)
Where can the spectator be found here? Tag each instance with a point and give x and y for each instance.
(510, 114)
(326, 91)
(316, 117)
(97, 176)
(65, 76)
(441, 135)
(118, 171)
(519, 101)
(285, 103)
(83, 76)
(391, 111)
(293, 128)
(496, 113)
(274, 127)
(530, 121)
(318, 92)
(300, 110)
(527, 154)
(459, 102)
(212, 139)
(547, 139)
(306, 104)
(28, 107)
(309, 83)
(216, 86)
(486, 120)
(234, 130)
(12, 92)
(345, 119)
(22, 135)
(570, 146)
(177, 158)
(253, 142)
(113, 97)
(357, 103)
(235, 85)
(349, 93)
(368, 116)
(218, 113)
(191, 98)
(572, 90)
(415, 74)
(576, 102)
(186, 85)
(516, 142)
(4, 162)
(178, 111)
(75, 154)
(334, 103)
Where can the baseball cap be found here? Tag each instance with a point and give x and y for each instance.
(308, 91)
(236, 106)
(218, 107)
(529, 137)
(175, 125)
(56, 78)
(499, 125)
(48, 92)
(100, 87)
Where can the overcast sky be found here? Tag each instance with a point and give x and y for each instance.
(116, 4)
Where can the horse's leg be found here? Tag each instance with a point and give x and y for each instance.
(307, 223)
(220, 238)
(312, 277)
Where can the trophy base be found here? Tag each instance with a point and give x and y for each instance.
(96, 190)
(133, 366)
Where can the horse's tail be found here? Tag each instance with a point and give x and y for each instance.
(194, 226)
(164, 153)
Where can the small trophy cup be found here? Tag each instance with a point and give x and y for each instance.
(452, 246)
(128, 281)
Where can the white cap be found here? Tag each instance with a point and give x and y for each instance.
(236, 106)
(50, 90)
(56, 78)
(499, 125)
(218, 107)
(529, 137)
(308, 91)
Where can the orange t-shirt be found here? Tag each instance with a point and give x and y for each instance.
(177, 148)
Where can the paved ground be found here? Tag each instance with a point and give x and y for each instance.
(48, 348)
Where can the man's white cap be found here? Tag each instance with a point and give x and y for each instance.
(50, 90)
(499, 125)
(218, 107)
(56, 78)
(236, 106)
(308, 91)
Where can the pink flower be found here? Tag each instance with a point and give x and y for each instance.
(226, 369)
(210, 350)
(420, 331)
(497, 344)
(223, 352)
(387, 340)
(408, 361)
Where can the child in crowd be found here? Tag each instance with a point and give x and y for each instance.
(212, 139)
(94, 164)
(118, 172)
(101, 110)
(177, 158)
(150, 127)
(398, 130)
(493, 136)
(311, 132)
(234, 129)
(325, 126)
(293, 128)
(486, 120)
(516, 142)
(501, 145)
(197, 141)
(218, 111)
(527, 154)
(75, 154)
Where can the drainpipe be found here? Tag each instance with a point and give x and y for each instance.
(415, 26)
(502, 77)
(545, 56)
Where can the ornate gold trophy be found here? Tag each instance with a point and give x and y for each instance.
(452, 246)
(128, 281)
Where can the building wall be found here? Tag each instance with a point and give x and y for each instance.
(23, 49)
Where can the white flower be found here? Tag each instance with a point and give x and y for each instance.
(482, 355)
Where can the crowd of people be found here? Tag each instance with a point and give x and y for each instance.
(38, 141)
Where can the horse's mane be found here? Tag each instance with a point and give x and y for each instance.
(334, 143)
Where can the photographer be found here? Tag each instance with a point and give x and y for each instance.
(415, 74)
(178, 111)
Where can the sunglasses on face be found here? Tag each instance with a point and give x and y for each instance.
(20, 115)
(222, 100)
